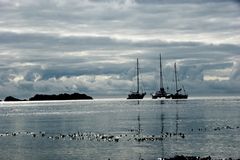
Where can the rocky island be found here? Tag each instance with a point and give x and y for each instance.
(10, 98)
(43, 97)
(65, 96)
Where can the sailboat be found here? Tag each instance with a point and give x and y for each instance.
(161, 92)
(137, 94)
(178, 95)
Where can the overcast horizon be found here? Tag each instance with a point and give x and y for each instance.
(90, 46)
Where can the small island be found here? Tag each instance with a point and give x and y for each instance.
(43, 97)
(65, 96)
(10, 98)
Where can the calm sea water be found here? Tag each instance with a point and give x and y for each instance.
(197, 126)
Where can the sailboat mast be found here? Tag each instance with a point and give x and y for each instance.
(161, 77)
(137, 77)
(175, 71)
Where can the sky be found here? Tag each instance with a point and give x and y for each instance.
(91, 46)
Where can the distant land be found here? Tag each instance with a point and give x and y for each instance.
(43, 97)
(10, 98)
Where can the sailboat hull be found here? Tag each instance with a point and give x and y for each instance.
(160, 96)
(136, 95)
(179, 96)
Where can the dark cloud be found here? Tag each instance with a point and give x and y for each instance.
(92, 46)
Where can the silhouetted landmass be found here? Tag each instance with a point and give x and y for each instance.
(182, 157)
(177, 157)
(42, 97)
(10, 98)
(65, 96)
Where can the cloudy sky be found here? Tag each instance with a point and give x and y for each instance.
(91, 46)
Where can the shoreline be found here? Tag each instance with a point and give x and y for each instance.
(182, 157)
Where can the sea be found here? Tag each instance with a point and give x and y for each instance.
(120, 129)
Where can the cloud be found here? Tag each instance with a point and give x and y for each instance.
(92, 46)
